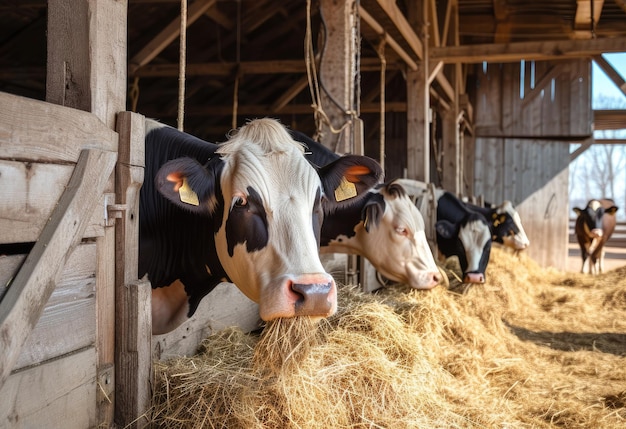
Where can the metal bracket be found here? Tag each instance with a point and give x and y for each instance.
(112, 211)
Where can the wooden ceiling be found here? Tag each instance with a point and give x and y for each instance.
(248, 55)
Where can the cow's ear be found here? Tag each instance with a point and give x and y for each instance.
(577, 211)
(348, 177)
(373, 211)
(611, 210)
(188, 184)
(445, 228)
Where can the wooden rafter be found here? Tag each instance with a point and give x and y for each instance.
(244, 67)
(617, 79)
(289, 95)
(583, 19)
(391, 9)
(167, 35)
(512, 52)
(374, 25)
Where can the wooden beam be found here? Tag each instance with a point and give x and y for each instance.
(369, 20)
(168, 34)
(513, 52)
(396, 16)
(617, 79)
(582, 20)
(289, 95)
(245, 68)
(581, 149)
(613, 119)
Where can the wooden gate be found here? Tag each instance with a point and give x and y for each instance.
(57, 272)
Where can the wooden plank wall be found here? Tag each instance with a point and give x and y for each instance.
(55, 376)
(526, 116)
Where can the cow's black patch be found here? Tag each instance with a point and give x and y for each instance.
(247, 223)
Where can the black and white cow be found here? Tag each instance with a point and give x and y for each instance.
(505, 224)
(384, 226)
(248, 211)
(463, 233)
(594, 226)
(458, 230)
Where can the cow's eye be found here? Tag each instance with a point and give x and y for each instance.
(402, 230)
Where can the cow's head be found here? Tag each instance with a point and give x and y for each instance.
(267, 204)
(470, 240)
(393, 238)
(508, 228)
(591, 217)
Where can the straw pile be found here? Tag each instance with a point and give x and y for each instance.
(532, 348)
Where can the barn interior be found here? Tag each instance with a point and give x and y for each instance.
(481, 97)
(505, 84)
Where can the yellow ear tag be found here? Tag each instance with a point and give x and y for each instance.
(187, 195)
(345, 190)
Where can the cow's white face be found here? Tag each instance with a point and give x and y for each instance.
(267, 240)
(475, 237)
(515, 240)
(397, 244)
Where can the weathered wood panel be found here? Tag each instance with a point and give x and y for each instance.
(225, 306)
(73, 303)
(29, 192)
(534, 99)
(60, 394)
(533, 176)
(32, 286)
(35, 131)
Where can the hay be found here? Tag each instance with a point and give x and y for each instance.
(532, 348)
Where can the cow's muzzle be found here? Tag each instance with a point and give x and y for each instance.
(474, 278)
(315, 299)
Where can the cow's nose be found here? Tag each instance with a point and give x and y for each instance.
(315, 299)
(597, 232)
(474, 278)
(437, 277)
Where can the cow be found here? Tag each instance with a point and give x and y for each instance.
(458, 230)
(594, 226)
(464, 233)
(504, 223)
(248, 211)
(384, 226)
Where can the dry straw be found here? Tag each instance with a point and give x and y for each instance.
(532, 348)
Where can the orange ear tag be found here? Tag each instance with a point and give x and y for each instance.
(187, 195)
(345, 190)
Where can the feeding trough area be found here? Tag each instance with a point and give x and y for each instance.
(533, 347)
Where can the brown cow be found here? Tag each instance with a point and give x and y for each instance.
(594, 226)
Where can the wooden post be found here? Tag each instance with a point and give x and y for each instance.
(132, 296)
(418, 107)
(86, 70)
(337, 70)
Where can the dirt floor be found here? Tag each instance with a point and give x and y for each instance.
(615, 257)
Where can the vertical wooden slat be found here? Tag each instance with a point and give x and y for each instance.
(132, 297)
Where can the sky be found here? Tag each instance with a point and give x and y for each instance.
(602, 85)
(603, 90)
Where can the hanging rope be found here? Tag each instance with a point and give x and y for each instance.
(238, 75)
(383, 68)
(182, 61)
